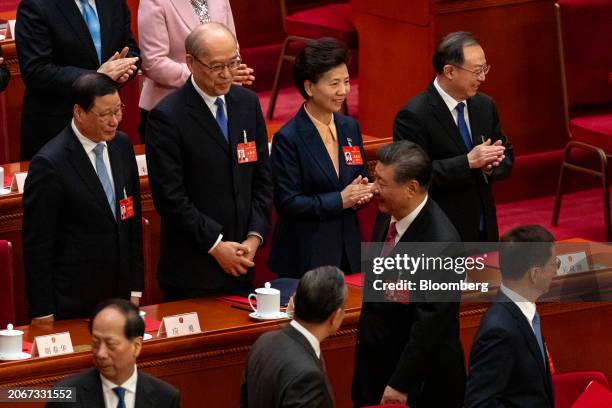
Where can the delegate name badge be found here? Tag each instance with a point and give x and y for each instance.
(126, 207)
(352, 155)
(246, 151)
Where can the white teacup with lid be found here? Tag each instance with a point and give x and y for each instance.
(268, 303)
(11, 342)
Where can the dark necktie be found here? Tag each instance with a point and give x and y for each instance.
(104, 178)
(389, 240)
(93, 25)
(120, 394)
(221, 118)
(463, 129)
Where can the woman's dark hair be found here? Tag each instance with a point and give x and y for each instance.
(316, 58)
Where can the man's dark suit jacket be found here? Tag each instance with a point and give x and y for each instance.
(313, 229)
(283, 371)
(76, 253)
(411, 347)
(506, 365)
(150, 392)
(5, 76)
(55, 48)
(198, 187)
(463, 194)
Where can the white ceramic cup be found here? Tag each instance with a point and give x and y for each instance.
(10, 341)
(268, 301)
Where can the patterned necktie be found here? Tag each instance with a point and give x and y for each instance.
(93, 25)
(221, 118)
(201, 9)
(120, 394)
(104, 178)
(538, 334)
(389, 240)
(463, 129)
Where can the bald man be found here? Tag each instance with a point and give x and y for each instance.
(214, 208)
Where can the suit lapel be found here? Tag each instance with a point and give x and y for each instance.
(186, 12)
(114, 155)
(234, 129)
(201, 114)
(75, 19)
(144, 392)
(344, 170)
(83, 167)
(310, 138)
(445, 118)
(105, 32)
(91, 390)
(474, 113)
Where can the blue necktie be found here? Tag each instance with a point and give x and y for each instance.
(104, 178)
(538, 333)
(93, 24)
(120, 394)
(221, 118)
(463, 129)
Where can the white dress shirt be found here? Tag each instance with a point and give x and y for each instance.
(111, 399)
(402, 225)
(451, 104)
(527, 307)
(314, 342)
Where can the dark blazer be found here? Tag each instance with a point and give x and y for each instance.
(5, 76)
(283, 370)
(412, 347)
(198, 187)
(54, 48)
(463, 194)
(150, 392)
(76, 253)
(506, 365)
(313, 229)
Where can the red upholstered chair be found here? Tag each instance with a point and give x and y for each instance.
(7, 297)
(569, 386)
(303, 25)
(584, 32)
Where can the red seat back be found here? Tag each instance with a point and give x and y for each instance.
(569, 386)
(7, 296)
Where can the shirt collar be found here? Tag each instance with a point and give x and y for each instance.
(209, 100)
(527, 307)
(128, 385)
(323, 126)
(402, 225)
(450, 102)
(314, 342)
(87, 143)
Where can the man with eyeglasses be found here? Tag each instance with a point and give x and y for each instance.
(509, 362)
(459, 129)
(82, 237)
(214, 207)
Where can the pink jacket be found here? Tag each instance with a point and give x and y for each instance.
(163, 26)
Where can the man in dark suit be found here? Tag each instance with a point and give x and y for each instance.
(509, 361)
(214, 209)
(5, 75)
(285, 368)
(459, 129)
(408, 348)
(82, 238)
(116, 335)
(58, 40)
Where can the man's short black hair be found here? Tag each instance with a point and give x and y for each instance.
(450, 50)
(523, 248)
(315, 59)
(134, 324)
(320, 293)
(409, 161)
(87, 87)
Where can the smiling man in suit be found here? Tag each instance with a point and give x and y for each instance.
(459, 129)
(408, 350)
(214, 208)
(509, 361)
(116, 336)
(59, 40)
(82, 238)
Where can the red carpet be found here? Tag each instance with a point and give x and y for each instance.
(581, 215)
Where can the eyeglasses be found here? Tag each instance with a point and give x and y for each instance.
(483, 70)
(219, 67)
(111, 113)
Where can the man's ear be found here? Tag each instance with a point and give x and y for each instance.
(449, 71)
(137, 346)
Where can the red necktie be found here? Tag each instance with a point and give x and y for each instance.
(389, 240)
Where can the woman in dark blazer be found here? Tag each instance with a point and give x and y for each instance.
(320, 170)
